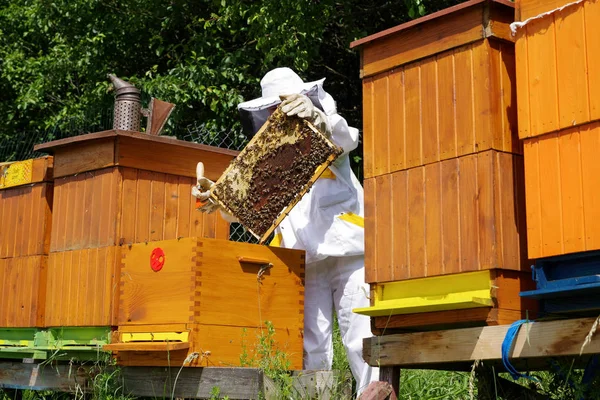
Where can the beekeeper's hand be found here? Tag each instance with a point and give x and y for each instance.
(201, 191)
(300, 105)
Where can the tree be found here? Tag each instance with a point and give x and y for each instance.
(206, 56)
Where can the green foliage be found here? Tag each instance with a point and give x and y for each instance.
(272, 360)
(205, 56)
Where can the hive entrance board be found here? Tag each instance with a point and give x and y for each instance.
(273, 172)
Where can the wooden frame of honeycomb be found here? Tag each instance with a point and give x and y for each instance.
(272, 173)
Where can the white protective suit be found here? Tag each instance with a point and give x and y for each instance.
(328, 224)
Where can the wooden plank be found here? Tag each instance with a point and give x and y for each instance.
(590, 176)
(370, 190)
(147, 346)
(85, 156)
(384, 233)
(60, 377)
(433, 220)
(128, 207)
(234, 383)
(543, 93)
(430, 38)
(412, 93)
(532, 8)
(447, 110)
(143, 206)
(451, 258)
(572, 71)
(572, 212)
(469, 210)
(157, 206)
(397, 131)
(592, 41)
(171, 207)
(551, 195)
(416, 222)
(429, 111)
(400, 217)
(465, 117)
(486, 215)
(368, 127)
(381, 117)
(508, 223)
(483, 85)
(509, 104)
(186, 206)
(539, 339)
(532, 198)
(175, 158)
(81, 295)
(522, 89)
(11, 223)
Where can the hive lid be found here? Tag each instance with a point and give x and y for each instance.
(136, 150)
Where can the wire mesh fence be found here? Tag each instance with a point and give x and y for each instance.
(21, 147)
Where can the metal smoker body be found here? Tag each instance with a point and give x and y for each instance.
(128, 110)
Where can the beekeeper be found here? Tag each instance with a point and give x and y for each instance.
(327, 223)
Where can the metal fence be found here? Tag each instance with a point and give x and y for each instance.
(17, 148)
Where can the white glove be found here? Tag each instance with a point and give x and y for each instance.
(300, 105)
(202, 192)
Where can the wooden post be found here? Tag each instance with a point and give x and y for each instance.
(391, 375)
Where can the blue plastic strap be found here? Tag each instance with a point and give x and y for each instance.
(507, 346)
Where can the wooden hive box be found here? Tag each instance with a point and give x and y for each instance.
(558, 73)
(206, 296)
(25, 211)
(114, 188)
(439, 87)
(558, 65)
(444, 186)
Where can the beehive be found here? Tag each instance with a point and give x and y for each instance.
(25, 212)
(206, 296)
(558, 74)
(444, 186)
(273, 172)
(114, 188)
(558, 66)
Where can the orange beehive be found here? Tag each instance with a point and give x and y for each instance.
(206, 296)
(444, 186)
(114, 188)
(558, 65)
(558, 74)
(439, 87)
(25, 212)
(442, 156)
(459, 215)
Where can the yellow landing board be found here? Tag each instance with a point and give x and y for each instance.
(15, 173)
(439, 293)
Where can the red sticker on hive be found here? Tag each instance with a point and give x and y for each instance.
(157, 259)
